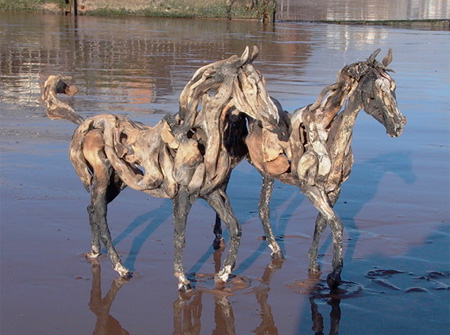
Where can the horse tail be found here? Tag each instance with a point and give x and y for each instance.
(56, 109)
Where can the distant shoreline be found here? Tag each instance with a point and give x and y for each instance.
(153, 8)
(214, 9)
(443, 24)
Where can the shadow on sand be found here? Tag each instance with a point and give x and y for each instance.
(325, 304)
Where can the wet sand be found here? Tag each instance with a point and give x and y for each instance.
(396, 257)
(394, 208)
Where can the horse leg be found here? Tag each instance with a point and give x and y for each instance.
(114, 187)
(264, 215)
(99, 226)
(219, 201)
(337, 230)
(182, 204)
(313, 253)
(105, 186)
(320, 226)
(320, 200)
(218, 240)
(95, 235)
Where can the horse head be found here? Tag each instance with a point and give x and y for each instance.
(250, 95)
(229, 84)
(376, 89)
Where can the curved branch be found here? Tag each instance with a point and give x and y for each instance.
(56, 109)
(322, 95)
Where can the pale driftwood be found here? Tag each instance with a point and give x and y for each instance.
(57, 109)
(317, 155)
(183, 157)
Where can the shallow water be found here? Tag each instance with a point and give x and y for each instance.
(394, 206)
(337, 10)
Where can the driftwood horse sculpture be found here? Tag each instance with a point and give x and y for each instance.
(183, 157)
(316, 155)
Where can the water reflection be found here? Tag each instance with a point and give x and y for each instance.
(188, 307)
(267, 325)
(105, 324)
(140, 65)
(322, 298)
(187, 311)
(317, 318)
(186, 314)
(294, 10)
(133, 64)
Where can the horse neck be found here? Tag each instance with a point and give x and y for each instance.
(341, 129)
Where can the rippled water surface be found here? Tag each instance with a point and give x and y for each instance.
(330, 10)
(394, 206)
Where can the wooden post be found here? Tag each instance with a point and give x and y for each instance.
(71, 6)
(67, 8)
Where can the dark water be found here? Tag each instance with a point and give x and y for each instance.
(395, 206)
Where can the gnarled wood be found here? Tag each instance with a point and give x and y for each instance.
(183, 157)
(318, 150)
(56, 109)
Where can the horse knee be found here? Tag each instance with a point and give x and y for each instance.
(337, 230)
(179, 243)
(235, 231)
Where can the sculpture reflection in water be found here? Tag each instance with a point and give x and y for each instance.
(317, 318)
(106, 324)
(188, 307)
(187, 312)
(322, 297)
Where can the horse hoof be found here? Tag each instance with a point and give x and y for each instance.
(123, 271)
(92, 255)
(277, 255)
(333, 280)
(126, 275)
(185, 288)
(314, 270)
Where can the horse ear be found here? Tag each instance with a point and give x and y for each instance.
(245, 56)
(372, 57)
(255, 53)
(388, 59)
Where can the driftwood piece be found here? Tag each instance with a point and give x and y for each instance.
(183, 157)
(136, 159)
(243, 91)
(57, 109)
(318, 149)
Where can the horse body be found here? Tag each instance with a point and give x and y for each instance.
(183, 157)
(317, 155)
